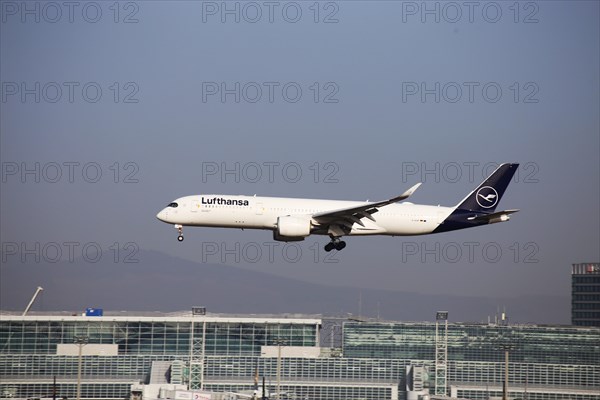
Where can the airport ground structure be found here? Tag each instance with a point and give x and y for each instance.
(302, 357)
(585, 294)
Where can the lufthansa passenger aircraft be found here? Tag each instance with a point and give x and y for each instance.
(294, 219)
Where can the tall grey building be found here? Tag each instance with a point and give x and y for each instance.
(585, 294)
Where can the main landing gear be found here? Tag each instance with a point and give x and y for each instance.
(335, 243)
(180, 230)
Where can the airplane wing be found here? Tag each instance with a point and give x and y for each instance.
(348, 216)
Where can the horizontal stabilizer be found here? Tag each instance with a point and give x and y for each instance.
(500, 216)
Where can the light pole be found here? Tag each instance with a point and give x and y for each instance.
(505, 389)
(279, 342)
(80, 341)
(441, 353)
(506, 347)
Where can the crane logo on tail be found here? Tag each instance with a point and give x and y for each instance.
(487, 197)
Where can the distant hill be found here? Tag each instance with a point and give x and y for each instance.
(166, 283)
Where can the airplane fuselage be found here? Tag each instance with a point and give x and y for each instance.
(253, 212)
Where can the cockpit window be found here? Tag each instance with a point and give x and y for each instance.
(173, 205)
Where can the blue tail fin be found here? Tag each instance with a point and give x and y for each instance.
(487, 195)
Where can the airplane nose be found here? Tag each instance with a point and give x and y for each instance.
(162, 215)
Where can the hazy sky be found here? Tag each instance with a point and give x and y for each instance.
(374, 96)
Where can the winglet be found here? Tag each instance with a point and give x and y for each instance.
(410, 191)
(403, 196)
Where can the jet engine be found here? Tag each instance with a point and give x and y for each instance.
(291, 229)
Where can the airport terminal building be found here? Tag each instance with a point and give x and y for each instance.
(352, 360)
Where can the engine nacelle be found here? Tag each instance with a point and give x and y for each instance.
(279, 238)
(291, 229)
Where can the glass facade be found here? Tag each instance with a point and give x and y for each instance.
(30, 358)
(546, 362)
(132, 337)
(474, 342)
(152, 338)
(585, 294)
(308, 369)
(247, 339)
(542, 359)
(309, 378)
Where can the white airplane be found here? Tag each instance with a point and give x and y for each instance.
(293, 219)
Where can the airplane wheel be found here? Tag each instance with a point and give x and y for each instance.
(329, 246)
(180, 238)
(340, 245)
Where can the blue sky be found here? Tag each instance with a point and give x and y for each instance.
(158, 122)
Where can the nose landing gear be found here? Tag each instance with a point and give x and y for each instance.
(180, 230)
(335, 243)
